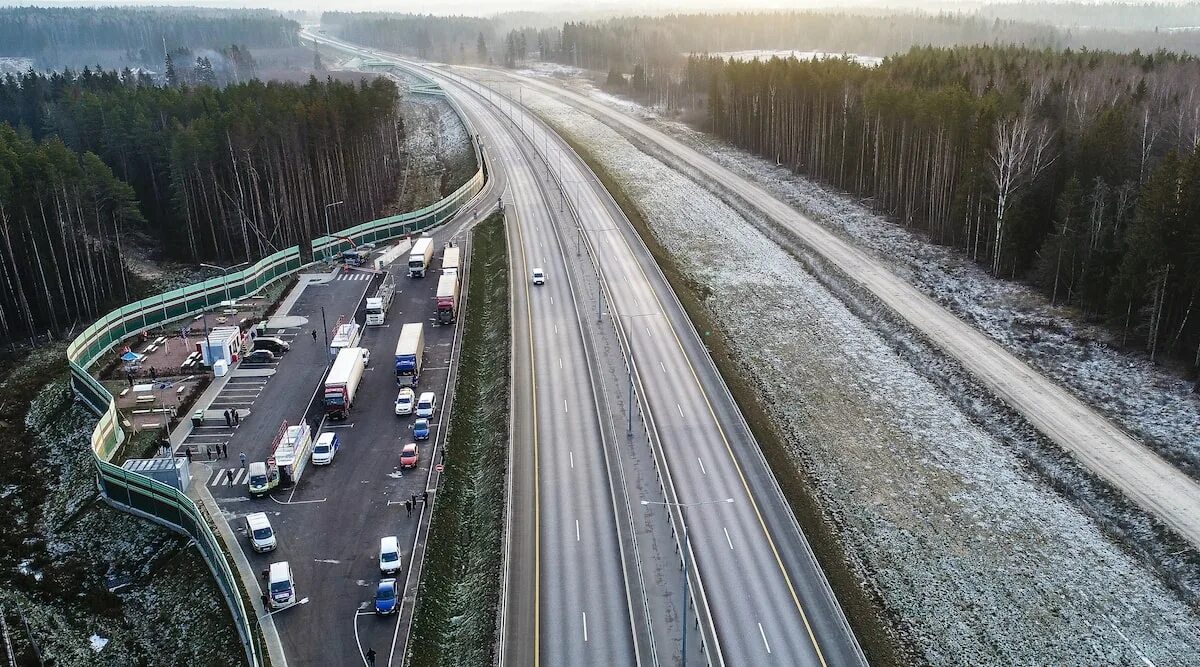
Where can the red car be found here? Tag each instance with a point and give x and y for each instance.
(409, 455)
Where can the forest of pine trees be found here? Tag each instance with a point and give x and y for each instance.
(94, 163)
(453, 39)
(1077, 170)
(66, 36)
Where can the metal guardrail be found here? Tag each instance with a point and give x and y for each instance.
(163, 504)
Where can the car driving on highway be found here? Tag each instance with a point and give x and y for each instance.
(405, 401)
(539, 277)
(385, 597)
(421, 429)
(426, 404)
(409, 455)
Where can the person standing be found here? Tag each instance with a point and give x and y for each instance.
(187, 451)
(408, 506)
(237, 418)
(314, 335)
(242, 458)
(228, 419)
(225, 450)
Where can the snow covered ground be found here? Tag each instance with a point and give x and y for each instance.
(1151, 401)
(946, 516)
(101, 586)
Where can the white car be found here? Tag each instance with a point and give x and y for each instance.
(258, 530)
(389, 555)
(426, 404)
(405, 401)
(539, 277)
(325, 448)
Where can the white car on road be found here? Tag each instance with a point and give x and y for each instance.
(539, 277)
(426, 404)
(405, 401)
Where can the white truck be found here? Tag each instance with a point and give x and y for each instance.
(377, 306)
(451, 260)
(409, 351)
(345, 335)
(342, 382)
(420, 257)
(292, 453)
(447, 298)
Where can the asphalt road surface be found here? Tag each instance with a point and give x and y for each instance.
(330, 523)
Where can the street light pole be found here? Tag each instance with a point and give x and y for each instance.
(686, 584)
(224, 274)
(327, 207)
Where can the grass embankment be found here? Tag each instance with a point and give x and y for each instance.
(866, 615)
(455, 621)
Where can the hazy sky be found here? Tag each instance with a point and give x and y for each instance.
(485, 7)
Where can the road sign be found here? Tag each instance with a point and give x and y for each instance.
(439, 467)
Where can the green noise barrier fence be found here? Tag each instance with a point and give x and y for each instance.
(161, 503)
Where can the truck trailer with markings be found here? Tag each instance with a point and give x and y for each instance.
(409, 351)
(342, 382)
(447, 298)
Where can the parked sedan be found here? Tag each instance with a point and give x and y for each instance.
(409, 455)
(260, 356)
(405, 401)
(385, 597)
(421, 429)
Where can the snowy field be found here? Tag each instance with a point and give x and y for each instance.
(980, 561)
(1152, 402)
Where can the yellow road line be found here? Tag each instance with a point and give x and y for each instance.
(537, 504)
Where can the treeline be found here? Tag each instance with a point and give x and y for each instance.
(452, 39)
(1078, 171)
(224, 175)
(1114, 15)
(54, 36)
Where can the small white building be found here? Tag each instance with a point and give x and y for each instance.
(222, 343)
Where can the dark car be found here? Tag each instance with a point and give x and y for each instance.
(260, 356)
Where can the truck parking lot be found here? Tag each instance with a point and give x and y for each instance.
(329, 524)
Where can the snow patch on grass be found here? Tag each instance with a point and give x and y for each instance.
(978, 559)
(1153, 402)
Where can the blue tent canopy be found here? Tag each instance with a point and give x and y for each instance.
(131, 356)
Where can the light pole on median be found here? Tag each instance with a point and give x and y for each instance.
(686, 587)
(327, 207)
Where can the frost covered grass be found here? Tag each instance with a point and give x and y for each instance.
(455, 621)
(78, 569)
(1153, 402)
(948, 518)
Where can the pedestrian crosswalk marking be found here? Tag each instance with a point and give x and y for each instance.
(221, 477)
(354, 276)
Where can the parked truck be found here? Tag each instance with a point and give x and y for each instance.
(377, 306)
(342, 382)
(420, 257)
(409, 351)
(292, 453)
(450, 259)
(447, 298)
(345, 334)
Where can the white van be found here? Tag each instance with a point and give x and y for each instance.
(325, 448)
(389, 555)
(426, 404)
(282, 589)
(260, 533)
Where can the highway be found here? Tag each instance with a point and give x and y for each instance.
(1097, 443)
(566, 598)
(760, 596)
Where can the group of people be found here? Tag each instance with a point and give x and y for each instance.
(232, 418)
